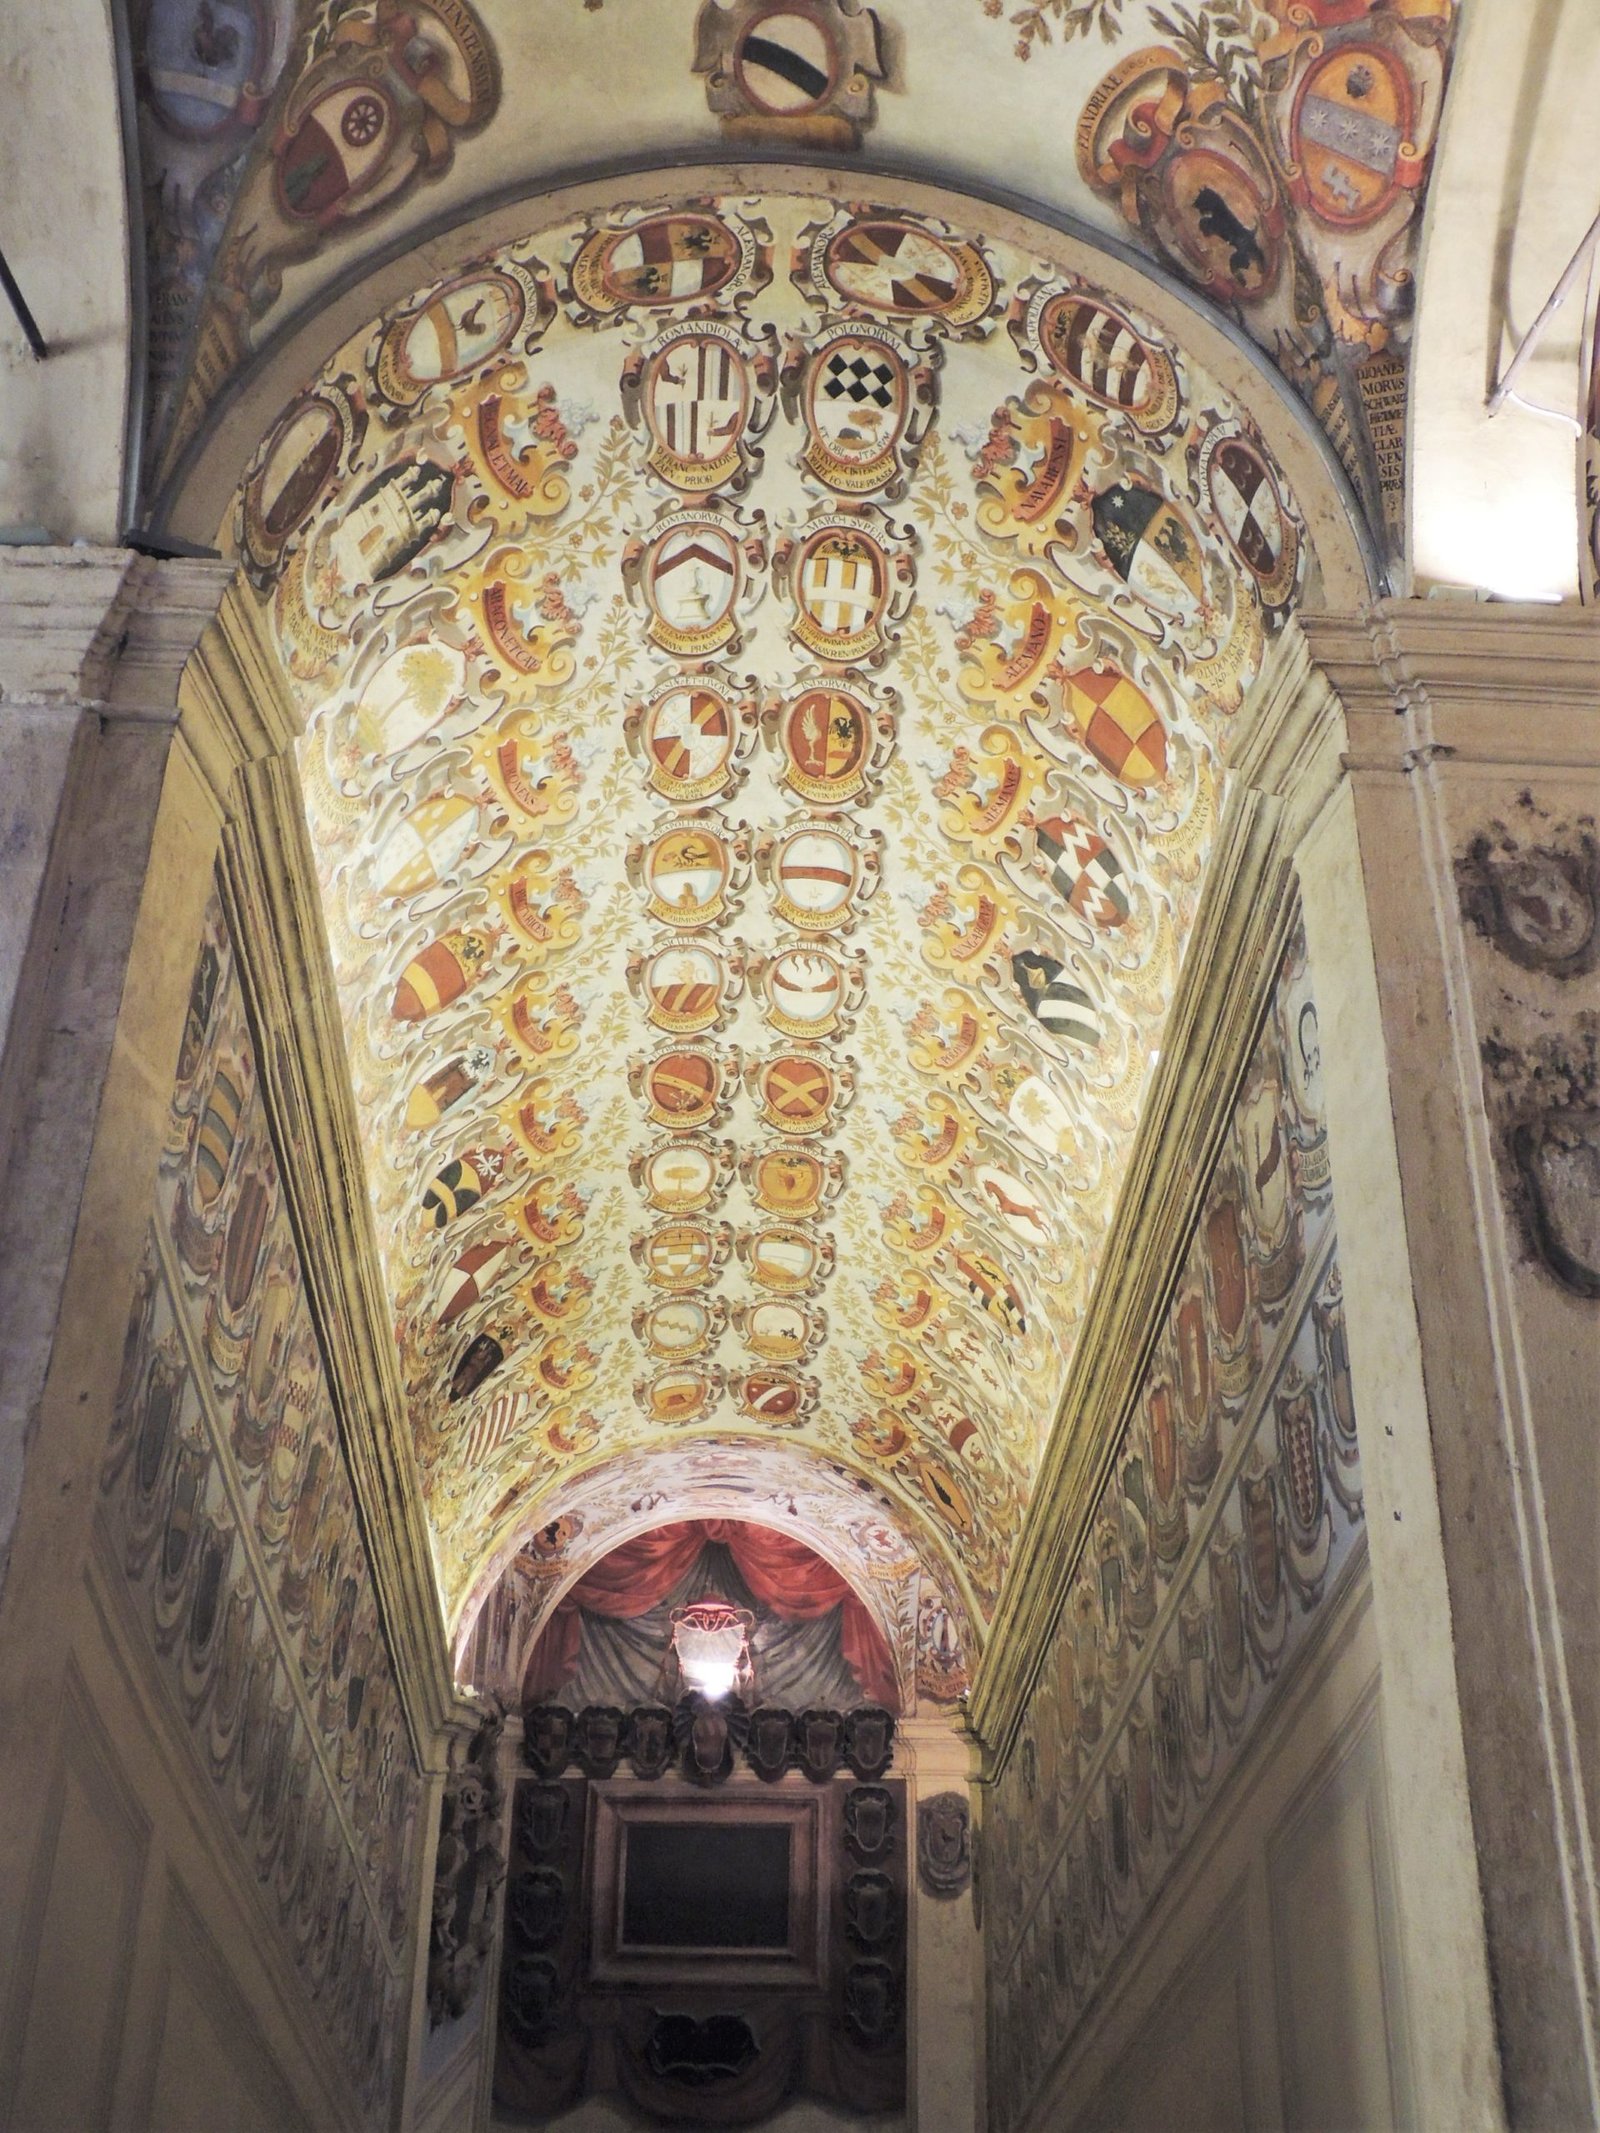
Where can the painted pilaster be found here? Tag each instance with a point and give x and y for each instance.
(92, 642)
(1449, 887)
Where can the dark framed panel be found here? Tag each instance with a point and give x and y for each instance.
(715, 1890)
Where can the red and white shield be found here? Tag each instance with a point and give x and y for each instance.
(817, 873)
(797, 1093)
(683, 988)
(697, 398)
(682, 1088)
(694, 579)
(689, 735)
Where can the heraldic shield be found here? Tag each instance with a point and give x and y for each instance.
(530, 1990)
(868, 1820)
(869, 1740)
(547, 1738)
(543, 1810)
(871, 2003)
(871, 1910)
(538, 1903)
(649, 1740)
(944, 1844)
(707, 1735)
(819, 1738)
(599, 1739)
(771, 1738)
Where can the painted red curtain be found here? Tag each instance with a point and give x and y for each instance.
(783, 1575)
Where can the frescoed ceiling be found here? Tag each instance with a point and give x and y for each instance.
(768, 666)
(1271, 154)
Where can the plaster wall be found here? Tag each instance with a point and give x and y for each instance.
(1266, 1988)
(66, 240)
(139, 1984)
(174, 1945)
(1493, 499)
(1226, 1530)
(91, 643)
(1472, 777)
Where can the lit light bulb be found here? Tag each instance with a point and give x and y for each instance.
(712, 1678)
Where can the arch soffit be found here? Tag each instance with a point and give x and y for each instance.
(882, 1567)
(1345, 571)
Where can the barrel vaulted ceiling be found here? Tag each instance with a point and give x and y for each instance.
(767, 668)
(768, 658)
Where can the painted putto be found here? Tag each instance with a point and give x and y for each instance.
(768, 666)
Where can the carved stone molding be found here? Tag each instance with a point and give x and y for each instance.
(1246, 908)
(703, 1738)
(469, 1868)
(240, 738)
(102, 628)
(1483, 682)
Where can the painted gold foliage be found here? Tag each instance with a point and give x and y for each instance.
(759, 812)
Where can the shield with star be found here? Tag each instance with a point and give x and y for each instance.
(1152, 547)
(1352, 133)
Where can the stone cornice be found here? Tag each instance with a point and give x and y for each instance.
(275, 917)
(1385, 657)
(1285, 760)
(1491, 681)
(101, 629)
